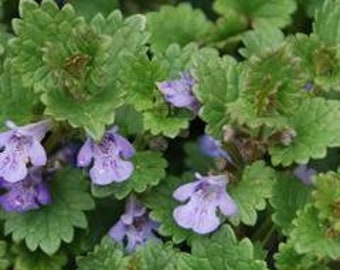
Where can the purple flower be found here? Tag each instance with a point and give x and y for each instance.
(304, 174)
(109, 157)
(179, 92)
(26, 194)
(213, 148)
(22, 145)
(134, 226)
(205, 196)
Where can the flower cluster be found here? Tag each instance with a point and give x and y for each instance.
(180, 92)
(110, 157)
(25, 189)
(134, 226)
(204, 196)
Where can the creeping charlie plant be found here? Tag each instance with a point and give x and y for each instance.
(170, 134)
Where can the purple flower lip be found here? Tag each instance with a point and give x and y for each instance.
(180, 92)
(21, 145)
(203, 198)
(213, 148)
(304, 174)
(110, 158)
(134, 226)
(27, 194)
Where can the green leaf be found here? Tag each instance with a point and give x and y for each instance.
(224, 75)
(149, 170)
(259, 12)
(27, 260)
(181, 25)
(222, 251)
(5, 261)
(261, 41)
(161, 203)
(89, 8)
(327, 22)
(158, 123)
(312, 236)
(156, 255)
(287, 259)
(106, 256)
(289, 196)
(315, 123)
(319, 62)
(48, 226)
(251, 192)
(327, 198)
(18, 103)
(129, 121)
(270, 92)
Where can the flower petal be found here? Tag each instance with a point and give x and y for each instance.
(43, 194)
(125, 146)
(122, 170)
(36, 130)
(118, 231)
(85, 154)
(227, 205)
(183, 216)
(4, 137)
(12, 168)
(37, 154)
(101, 173)
(183, 192)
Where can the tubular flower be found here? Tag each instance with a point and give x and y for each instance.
(204, 197)
(25, 195)
(213, 148)
(304, 174)
(179, 92)
(110, 158)
(20, 146)
(134, 226)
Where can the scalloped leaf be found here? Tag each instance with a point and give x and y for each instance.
(261, 41)
(51, 225)
(106, 256)
(225, 75)
(259, 12)
(312, 236)
(287, 259)
(251, 192)
(289, 196)
(222, 251)
(18, 103)
(27, 260)
(327, 198)
(315, 123)
(149, 170)
(181, 24)
(272, 90)
(327, 22)
(89, 8)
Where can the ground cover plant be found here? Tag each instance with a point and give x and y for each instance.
(187, 135)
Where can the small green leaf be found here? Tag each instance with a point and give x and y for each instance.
(89, 8)
(224, 75)
(48, 226)
(259, 12)
(261, 41)
(327, 198)
(289, 196)
(315, 123)
(156, 255)
(312, 236)
(27, 260)
(327, 22)
(181, 25)
(222, 251)
(149, 170)
(251, 192)
(129, 121)
(288, 259)
(106, 256)
(5, 260)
